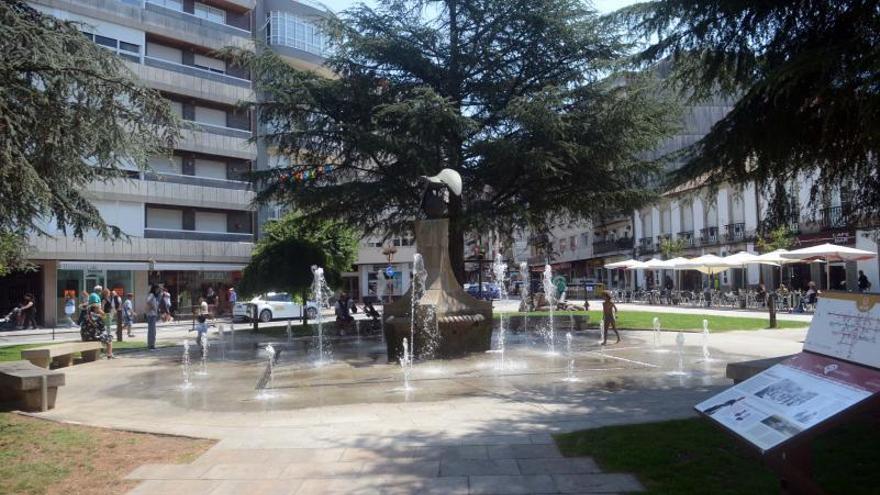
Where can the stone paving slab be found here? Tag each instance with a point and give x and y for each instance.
(476, 467)
(577, 465)
(511, 485)
(597, 483)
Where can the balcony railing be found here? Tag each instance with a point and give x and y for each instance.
(207, 23)
(221, 130)
(195, 235)
(735, 232)
(836, 217)
(622, 244)
(687, 237)
(663, 237)
(193, 180)
(196, 72)
(709, 236)
(646, 244)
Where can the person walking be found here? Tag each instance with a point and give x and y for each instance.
(128, 313)
(609, 318)
(116, 312)
(28, 311)
(864, 283)
(152, 314)
(70, 309)
(233, 298)
(165, 305)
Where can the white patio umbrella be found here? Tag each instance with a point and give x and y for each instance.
(830, 253)
(708, 264)
(740, 260)
(621, 264)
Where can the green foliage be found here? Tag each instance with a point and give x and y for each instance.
(70, 114)
(778, 238)
(520, 97)
(804, 75)
(283, 257)
(672, 248)
(13, 253)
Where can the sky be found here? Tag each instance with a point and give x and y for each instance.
(603, 6)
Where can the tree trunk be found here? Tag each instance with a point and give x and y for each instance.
(771, 307)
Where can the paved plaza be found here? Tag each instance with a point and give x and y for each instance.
(482, 424)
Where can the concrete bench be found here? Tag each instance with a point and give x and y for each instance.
(33, 388)
(747, 369)
(62, 354)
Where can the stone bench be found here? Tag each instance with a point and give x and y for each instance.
(747, 369)
(33, 388)
(62, 354)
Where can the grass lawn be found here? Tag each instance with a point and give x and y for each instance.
(635, 320)
(694, 457)
(13, 352)
(42, 457)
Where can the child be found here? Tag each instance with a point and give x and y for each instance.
(128, 313)
(608, 317)
(202, 331)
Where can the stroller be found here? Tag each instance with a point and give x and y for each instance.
(10, 321)
(91, 327)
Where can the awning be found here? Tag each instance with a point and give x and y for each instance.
(103, 265)
(198, 267)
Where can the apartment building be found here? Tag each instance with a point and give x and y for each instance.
(726, 221)
(188, 221)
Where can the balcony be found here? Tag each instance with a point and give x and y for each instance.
(240, 27)
(197, 141)
(622, 244)
(735, 232)
(140, 249)
(663, 237)
(709, 236)
(194, 180)
(836, 217)
(191, 81)
(194, 235)
(646, 245)
(687, 237)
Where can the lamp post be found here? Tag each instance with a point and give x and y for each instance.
(388, 250)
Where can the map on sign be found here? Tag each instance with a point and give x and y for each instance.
(789, 398)
(847, 326)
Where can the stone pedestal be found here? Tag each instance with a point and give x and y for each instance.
(463, 323)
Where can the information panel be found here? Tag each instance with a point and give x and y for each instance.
(847, 326)
(805, 390)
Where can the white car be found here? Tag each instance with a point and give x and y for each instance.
(273, 305)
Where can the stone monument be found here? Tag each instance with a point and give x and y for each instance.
(449, 321)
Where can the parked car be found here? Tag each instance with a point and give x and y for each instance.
(490, 290)
(271, 306)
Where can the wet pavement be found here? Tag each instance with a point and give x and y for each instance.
(354, 401)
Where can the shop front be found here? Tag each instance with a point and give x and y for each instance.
(75, 278)
(187, 282)
(387, 281)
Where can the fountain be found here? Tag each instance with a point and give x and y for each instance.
(658, 337)
(320, 294)
(679, 345)
(187, 384)
(460, 323)
(498, 270)
(221, 332)
(289, 331)
(550, 296)
(524, 294)
(204, 367)
(570, 375)
(406, 363)
(706, 356)
(268, 375)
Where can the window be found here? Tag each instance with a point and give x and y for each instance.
(169, 4)
(119, 47)
(286, 29)
(209, 13)
(209, 63)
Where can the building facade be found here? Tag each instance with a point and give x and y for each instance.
(188, 221)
